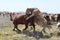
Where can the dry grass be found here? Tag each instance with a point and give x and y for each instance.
(6, 32)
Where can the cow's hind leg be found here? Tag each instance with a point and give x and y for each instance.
(44, 29)
(26, 26)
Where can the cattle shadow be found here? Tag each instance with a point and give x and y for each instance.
(35, 34)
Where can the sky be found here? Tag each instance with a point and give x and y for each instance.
(50, 6)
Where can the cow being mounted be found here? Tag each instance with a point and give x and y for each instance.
(38, 17)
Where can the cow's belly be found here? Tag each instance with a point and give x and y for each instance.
(20, 20)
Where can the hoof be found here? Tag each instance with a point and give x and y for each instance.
(51, 34)
(13, 29)
(33, 31)
(19, 30)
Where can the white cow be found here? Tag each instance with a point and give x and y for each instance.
(58, 27)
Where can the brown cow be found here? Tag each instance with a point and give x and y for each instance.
(21, 19)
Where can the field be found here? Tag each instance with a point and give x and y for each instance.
(6, 32)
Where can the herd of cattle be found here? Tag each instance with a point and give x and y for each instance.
(48, 16)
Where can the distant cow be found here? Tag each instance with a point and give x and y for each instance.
(58, 17)
(53, 17)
